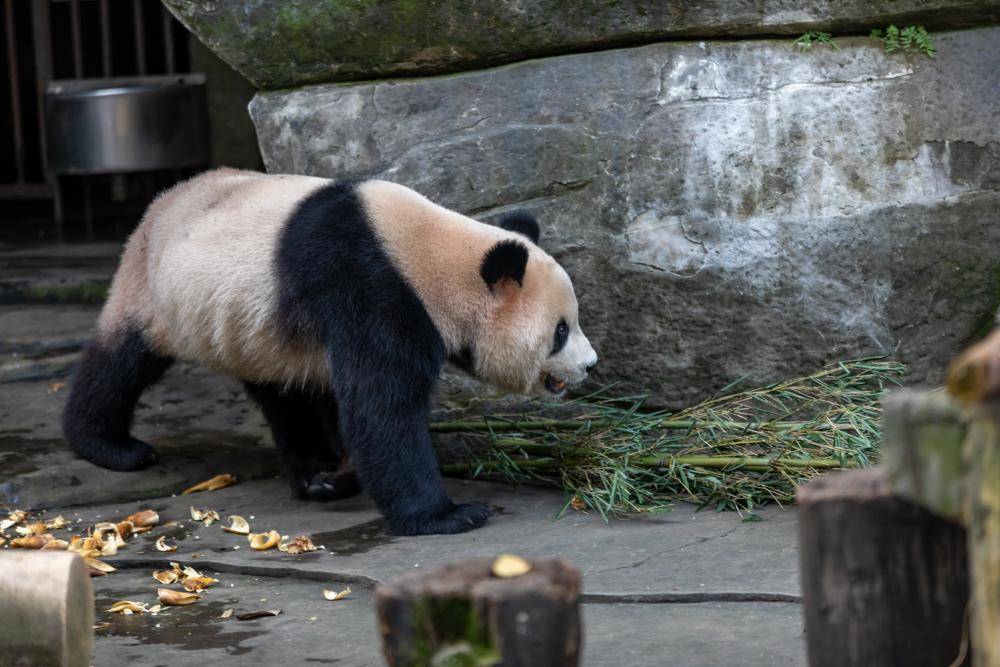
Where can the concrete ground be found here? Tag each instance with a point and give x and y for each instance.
(685, 588)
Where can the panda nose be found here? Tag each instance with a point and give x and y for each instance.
(591, 366)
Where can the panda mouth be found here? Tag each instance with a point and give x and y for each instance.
(554, 385)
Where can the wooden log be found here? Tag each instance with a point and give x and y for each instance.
(463, 614)
(884, 581)
(983, 484)
(46, 609)
(923, 436)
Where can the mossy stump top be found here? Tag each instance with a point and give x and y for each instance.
(462, 614)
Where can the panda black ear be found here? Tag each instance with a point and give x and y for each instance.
(521, 222)
(506, 260)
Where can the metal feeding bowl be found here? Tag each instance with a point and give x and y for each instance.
(121, 125)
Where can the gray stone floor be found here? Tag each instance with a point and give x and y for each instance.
(684, 588)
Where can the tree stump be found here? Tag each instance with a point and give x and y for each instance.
(884, 581)
(983, 447)
(461, 614)
(46, 610)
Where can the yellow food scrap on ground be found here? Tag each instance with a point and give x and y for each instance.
(195, 584)
(298, 545)
(214, 484)
(238, 525)
(34, 528)
(99, 565)
(176, 598)
(166, 576)
(128, 607)
(61, 545)
(161, 544)
(334, 596)
(143, 520)
(56, 523)
(31, 541)
(13, 518)
(264, 541)
(205, 516)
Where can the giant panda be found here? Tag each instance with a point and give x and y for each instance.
(336, 303)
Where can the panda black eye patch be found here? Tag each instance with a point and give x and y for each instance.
(561, 335)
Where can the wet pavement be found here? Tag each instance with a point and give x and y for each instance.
(683, 588)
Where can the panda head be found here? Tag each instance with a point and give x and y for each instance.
(530, 338)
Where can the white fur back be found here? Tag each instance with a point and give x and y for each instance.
(210, 274)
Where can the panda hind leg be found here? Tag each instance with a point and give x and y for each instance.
(305, 430)
(114, 370)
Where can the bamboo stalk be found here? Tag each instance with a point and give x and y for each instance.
(665, 461)
(737, 450)
(497, 425)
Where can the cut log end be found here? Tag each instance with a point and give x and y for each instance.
(463, 611)
(47, 609)
(884, 581)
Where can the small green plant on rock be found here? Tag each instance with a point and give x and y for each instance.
(813, 37)
(911, 39)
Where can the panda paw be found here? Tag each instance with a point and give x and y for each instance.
(458, 519)
(124, 456)
(326, 485)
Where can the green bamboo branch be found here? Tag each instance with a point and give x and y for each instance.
(737, 450)
(665, 461)
(498, 425)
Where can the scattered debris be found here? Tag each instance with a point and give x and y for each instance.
(56, 387)
(227, 613)
(13, 518)
(214, 484)
(62, 545)
(106, 538)
(85, 546)
(189, 571)
(507, 566)
(125, 529)
(207, 517)
(56, 523)
(127, 607)
(333, 596)
(577, 503)
(249, 616)
(166, 577)
(143, 520)
(264, 541)
(34, 528)
(195, 584)
(176, 598)
(161, 544)
(31, 541)
(238, 525)
(99, 565)
(298, 545)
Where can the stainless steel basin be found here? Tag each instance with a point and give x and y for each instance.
(120, 125)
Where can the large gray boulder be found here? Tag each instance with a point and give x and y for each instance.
(293, 42)
(725, 208)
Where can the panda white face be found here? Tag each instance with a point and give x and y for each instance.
(533, 343)
(571, 356)
(505, 309)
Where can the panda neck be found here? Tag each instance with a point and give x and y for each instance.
(439, 253)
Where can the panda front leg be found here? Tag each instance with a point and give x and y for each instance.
(307, 440)
(384, 423)
(114, 370)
